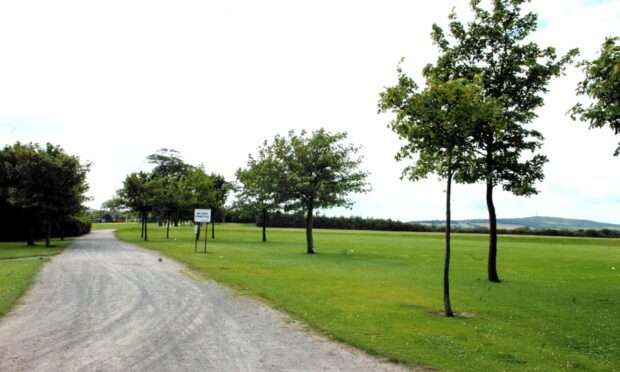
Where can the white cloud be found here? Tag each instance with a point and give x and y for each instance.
(115, 81)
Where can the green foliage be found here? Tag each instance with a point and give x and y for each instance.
(78, 225)
(318, 170)
(437, 123)
(168, 163)
(309, 172)
(514, 72)
(172, 190)
(46, 184)
(378, 291)
(602, 85)
(258, 190)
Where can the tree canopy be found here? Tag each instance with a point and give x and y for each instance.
(602, 85)
(46, 184)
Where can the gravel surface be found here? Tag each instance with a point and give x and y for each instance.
(109, 306)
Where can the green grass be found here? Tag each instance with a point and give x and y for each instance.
(557, 309)
(9, 250)
(18, 266)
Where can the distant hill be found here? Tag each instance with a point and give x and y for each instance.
(541, 222)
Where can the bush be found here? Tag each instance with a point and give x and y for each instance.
(77, 225)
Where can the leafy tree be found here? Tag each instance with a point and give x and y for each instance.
(221, 188)
(139, 193)
(438, 126)
(47, 184)
(602, 85)
(514, 71)
(318, 171)
(168, 200)
(258, 190)
(168, 163)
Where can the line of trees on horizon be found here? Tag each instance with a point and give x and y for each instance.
(297, 220)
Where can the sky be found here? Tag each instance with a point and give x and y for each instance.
(114, 81)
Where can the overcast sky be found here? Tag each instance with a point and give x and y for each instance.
(113, 81)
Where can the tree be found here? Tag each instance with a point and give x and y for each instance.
(438, 124)
(602, 85)
(47, 184)
(513, 71)
(168, 163)
(220, 188)
(318, 171)
(258, 190)
(139, 193)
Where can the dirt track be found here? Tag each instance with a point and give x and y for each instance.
(106, 305)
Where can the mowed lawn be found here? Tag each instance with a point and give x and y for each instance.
(557, 309)
(18, 266)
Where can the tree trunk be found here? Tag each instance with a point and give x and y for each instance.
(168, 228)
(264, 224)
(309, 239)
(492, 264)
(31, 233)
(142, 225)
(212, 229)
(48, 233)
(446, 266)
(145, 226)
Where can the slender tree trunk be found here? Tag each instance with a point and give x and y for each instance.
(446, 266)
(212, 229)
(145, 226)
(168, 228)
(309, 223)
(31, 233)
(492, 264)
(48, 233)
(142, 225)
(264, 224)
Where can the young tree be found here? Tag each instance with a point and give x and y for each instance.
(602, 85)
(438, 124)
(517, 72)
(220, 188)
(138, 193)
(258, 190)
(318, 171)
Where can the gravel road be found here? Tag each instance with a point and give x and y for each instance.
(109, 306)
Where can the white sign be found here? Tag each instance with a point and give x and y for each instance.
(202, 215)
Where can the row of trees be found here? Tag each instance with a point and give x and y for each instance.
(469, 124)
(41, 188)
(279, 219)
(171, 191)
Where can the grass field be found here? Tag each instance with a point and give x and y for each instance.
(557, 309)
(18, 266)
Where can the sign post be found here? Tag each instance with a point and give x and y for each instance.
(201, 215)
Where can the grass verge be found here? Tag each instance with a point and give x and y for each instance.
(381, 291)
(18, 266)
